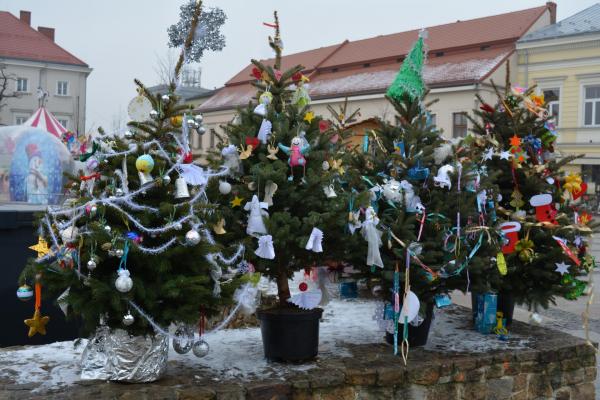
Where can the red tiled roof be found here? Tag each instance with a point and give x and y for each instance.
(19, 40)
(370, 65)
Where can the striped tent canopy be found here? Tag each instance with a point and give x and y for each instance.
(43, 119)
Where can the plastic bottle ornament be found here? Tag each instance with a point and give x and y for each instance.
(192, 237)
(200, 348)
(24, 293)
(91, 265)
(128, 319)
(184, 341)
(181, 189)
(123, 283)
(224, 187)
(144, 164)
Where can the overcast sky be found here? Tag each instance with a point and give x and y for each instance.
(122, 39)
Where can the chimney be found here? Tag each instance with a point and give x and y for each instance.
(25, 16)
(48, 32)
(552, 8)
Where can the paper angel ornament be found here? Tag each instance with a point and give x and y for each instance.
(443, 178)
(296, 153)
(270, 189)
(264, 132)
(193, 174)
(273, 150)
(373, 237)
(231, 159)
(255, 217)
(265, 247)
(315, 241)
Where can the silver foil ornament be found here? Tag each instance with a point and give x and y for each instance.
(185, 340)
(192, 237)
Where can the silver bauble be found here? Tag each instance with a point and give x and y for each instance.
(184, 341)
(177, 226)
(128, 319)
(123, 283)
(166, 179)
(91, 265)
(153, 114)
(199, 118)
(165, 97)
(192, 237)
(191, 122)
(119, 253)
(224, 187)
(119, 192)
(200, 348)
(107, 228)
(201, 130)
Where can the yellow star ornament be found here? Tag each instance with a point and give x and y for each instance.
(41, 247)
(37, 324)
(236, 202)
(309, 116)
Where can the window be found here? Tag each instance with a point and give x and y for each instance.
(591, 173)
(64, 122)
(62, 88)
(22, 85)
(459, 124)
(552, 99)
(20, 119)
(591, 106)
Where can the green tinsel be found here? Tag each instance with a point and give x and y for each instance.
(410, 78)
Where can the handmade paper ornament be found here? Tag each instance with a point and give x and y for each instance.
(301, 98)
(562, 268)
(410, 307)
(24, 293)
(224, 187)
(524, 249)
(329, 191)
(443, 177)
(124, 283)
(411, 201)
(563, 245)
(231, 160)
(181, 189)
(511, 231)
(272, 150)
(373, 237)
(192, 237)
(62, 301)
(307, 300)
(296, 155)
(264, 132)
(501, 264)
(544, 208)
(256, 213)
(219, 227)
(315, 241)
(264, 100)
(392, 191)
(236, 202)
(144, 164)
(418, 173)
(270, 189)
(192, 174)
(578, 193)
(265, 247)
(37, 323)
(354, 221)
(516, 199)
(41, 247)
(69, 234)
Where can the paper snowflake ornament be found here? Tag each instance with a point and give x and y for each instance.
(562, 267)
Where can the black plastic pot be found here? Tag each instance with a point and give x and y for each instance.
(290, 334)
(506, 304)
(417, 335)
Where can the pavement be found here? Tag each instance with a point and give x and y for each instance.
(566, 315)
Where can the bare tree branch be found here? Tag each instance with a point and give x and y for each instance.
(5, 86)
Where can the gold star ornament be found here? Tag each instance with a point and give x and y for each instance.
(41, 247)
(37, 324)
(236, 202)
(309, 116)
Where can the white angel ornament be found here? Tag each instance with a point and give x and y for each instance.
(373, 237)
(255, 217)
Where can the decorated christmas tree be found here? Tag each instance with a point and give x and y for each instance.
(428, 214)
(131, 251)
(283, 197)
(545, 225)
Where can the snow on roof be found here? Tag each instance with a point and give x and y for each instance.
(584, 22)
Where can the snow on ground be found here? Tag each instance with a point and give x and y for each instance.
(238, 353)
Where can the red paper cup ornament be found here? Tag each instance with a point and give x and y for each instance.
(544, 209)
(511, 234)
(303, 287)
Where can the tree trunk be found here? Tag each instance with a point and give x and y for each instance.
(283, 288)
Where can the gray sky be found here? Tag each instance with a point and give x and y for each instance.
(121, 40)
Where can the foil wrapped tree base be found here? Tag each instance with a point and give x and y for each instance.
(117, 356)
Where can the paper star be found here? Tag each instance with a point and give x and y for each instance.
(505, 155)
(236, 202)
(309, 116)
(515, 141)
(37, 324)
(488, 154)
(41, 247)
(562, 268)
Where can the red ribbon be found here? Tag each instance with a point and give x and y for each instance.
(88, 177)
(270, 25)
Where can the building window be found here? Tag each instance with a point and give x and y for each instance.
(62, 88)
(591, 106)
(552, 99)
(459, 124)
(213, 135)
(22, 85)
(20, 119)
(591, 173)
(64, 122)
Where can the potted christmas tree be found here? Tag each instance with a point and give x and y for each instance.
(284, 199)
(129, 252)
(545, 226)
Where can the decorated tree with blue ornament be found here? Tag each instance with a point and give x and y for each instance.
(429, 210)
(544, 224)
(132, 248)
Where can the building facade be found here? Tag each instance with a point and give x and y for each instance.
(36, 65)
(464, 58)
(563, 60)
